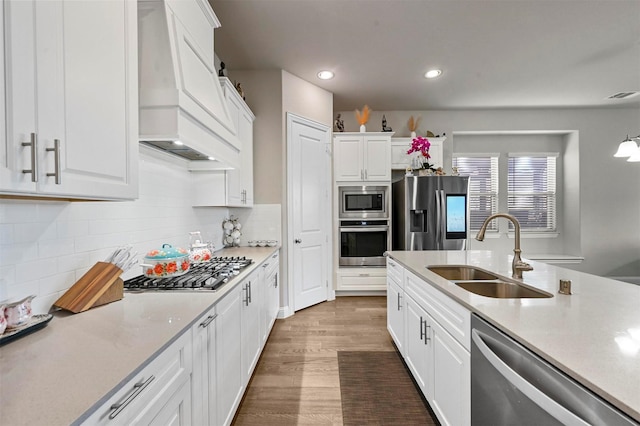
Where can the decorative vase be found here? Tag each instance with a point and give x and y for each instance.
(362, 128)
(413, 135)
(424, 172)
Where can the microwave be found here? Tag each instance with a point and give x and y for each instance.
(363, 202)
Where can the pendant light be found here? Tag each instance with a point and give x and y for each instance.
(627, 148)
(635, 157)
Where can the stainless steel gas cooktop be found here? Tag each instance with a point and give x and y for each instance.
(201, 276)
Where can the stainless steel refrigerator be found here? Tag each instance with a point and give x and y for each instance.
(430, 213)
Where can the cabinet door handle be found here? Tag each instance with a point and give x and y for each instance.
(421, 329)
(249, 291)
(426, 332)
(209, 320)
(276, 284)
(246, 294)
(365, 175)
(265, 265)
(399, 306)
(34, 157)
(137, 388)
(297, 241)
(56, 159)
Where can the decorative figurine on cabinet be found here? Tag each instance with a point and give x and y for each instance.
(384, 125)
(339, 123)
(221, 71)
(240, 90)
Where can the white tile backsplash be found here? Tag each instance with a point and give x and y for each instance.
(46, 246)
(262, 222)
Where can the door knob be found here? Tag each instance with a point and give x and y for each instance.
(297, 241)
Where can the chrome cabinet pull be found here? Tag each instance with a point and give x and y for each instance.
(365, 175)
(421, 329)
(297, 241)
(426, 332)
(137, 389)
(249, 285)
(56, 153)
(34, 157)
(399, 301)
(246, 294)
(276, 284)
(209, 320)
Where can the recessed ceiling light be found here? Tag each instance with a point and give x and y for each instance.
(432, 73)
(325, 75)
(177, 143)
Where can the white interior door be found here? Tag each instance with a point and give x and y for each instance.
(309, 201)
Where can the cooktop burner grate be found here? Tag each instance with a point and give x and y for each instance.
(201, 276)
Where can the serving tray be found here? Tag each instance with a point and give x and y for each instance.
(36, 322)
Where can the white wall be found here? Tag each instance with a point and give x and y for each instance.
(609, 234)
(46, 246)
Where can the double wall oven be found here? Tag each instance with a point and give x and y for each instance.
(364, 225)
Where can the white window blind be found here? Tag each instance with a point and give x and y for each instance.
(483, 186)
(532, 191)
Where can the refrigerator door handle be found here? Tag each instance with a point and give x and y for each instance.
(443, 224)
(438, 218)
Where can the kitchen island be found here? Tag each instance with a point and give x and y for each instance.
(58, 375)
(589, 335)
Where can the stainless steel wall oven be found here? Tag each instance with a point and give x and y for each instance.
(363, 242)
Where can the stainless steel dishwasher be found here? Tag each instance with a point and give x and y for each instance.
(510, 385)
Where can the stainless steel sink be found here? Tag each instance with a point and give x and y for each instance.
(462, 272)
(501, 289)
(484, 283)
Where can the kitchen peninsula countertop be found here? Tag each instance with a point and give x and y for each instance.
(582, 334)
(53, 376)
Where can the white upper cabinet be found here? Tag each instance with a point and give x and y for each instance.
(362, 157)
(401, 160)
(71, 99)
(230, 188)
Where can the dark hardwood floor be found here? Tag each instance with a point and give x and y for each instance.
(296, 381)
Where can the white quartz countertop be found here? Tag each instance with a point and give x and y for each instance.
(54, 375)
(587, 334)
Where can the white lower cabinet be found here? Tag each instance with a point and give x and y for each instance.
(433, 340)
(228, 341)
(418, 354)
(271, 306)
(451, 397)
(251, 319)
(229, 384)
(361, 278)
(160, 391)
(201, 377)
(395, 313)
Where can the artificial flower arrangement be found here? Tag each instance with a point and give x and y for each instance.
(422, 145)
(363, 117)
(413, 125)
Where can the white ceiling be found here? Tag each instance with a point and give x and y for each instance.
(494, 54)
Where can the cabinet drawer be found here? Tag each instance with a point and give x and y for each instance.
(372, 279)
(395, 271)
(271, 264)
(452, 316)
(150, 389)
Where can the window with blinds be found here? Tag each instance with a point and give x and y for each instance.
(483, 186)
(532, 191)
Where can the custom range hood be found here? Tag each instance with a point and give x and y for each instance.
(182, 107)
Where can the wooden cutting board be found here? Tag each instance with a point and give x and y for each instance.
(99, 285)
